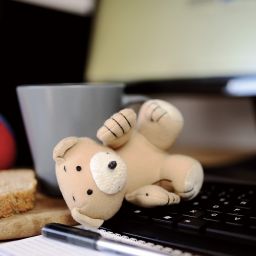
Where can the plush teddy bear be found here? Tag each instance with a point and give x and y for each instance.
(132, 163)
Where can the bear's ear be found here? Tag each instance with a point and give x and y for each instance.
(62, 147)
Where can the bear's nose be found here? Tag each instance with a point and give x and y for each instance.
(112, 165)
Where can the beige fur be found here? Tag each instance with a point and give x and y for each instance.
(134, 150)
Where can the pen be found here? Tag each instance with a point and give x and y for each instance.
(93, 240)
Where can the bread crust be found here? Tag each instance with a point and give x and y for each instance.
(18, 200)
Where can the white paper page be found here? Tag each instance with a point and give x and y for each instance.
(42, 246)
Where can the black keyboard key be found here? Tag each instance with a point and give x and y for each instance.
(216, 207)
(166, 219)
(238, 211)
(227, 203)
(245, 203)
(213, 216)
(224, 193)
(137, 213)
(246, 195)
(231, 190)
(241, 196)
(195, 204)
(196, 213)
(223, 201)
(251, 193)
(235, 220)
(191, 223)
(204, 197)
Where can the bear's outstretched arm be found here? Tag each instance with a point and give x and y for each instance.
(152, 196)
(117, 130)
(160, 122)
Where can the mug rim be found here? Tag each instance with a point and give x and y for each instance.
(73, 85)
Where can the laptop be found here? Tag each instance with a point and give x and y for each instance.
(199, 47)
(221, 220)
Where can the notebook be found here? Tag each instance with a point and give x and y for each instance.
(42, 246)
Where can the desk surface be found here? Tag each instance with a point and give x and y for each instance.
(30, 223)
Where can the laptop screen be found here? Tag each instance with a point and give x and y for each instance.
(180, 39)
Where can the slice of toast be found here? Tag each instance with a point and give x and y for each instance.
(17, 191)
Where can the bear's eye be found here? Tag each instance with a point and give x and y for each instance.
(78, 168)
(112, 165)
(89, 192)
(107, 180)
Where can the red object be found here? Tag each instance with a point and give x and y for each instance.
(7, 146)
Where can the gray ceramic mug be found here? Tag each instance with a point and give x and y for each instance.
(53, 112)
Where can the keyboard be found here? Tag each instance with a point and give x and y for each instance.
(221, 220)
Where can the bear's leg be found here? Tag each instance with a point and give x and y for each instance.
(160, 122)
(152, 196)
(184, 173)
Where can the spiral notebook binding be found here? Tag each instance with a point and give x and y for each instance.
(143, 243)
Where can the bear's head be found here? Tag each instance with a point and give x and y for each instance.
(92, 179)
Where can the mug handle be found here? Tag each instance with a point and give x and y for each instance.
(128, 100)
